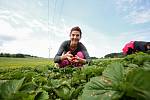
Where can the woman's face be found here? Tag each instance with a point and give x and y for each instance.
(75, 37)
(148, 47)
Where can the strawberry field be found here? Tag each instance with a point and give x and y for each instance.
(119, 79)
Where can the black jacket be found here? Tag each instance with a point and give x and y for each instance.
(140, 46)
(64, 48)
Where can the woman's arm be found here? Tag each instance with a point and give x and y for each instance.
(58, 57)
(86, 54)
(83, 61)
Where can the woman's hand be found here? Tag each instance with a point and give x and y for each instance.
(75, 59)
(68, 56)
(79, 60)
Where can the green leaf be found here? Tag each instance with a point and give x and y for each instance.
(141, 58)
(63, 92)
(28, 87)
(8, 88)
(98, 89)
(105, 87)
(146, 65)
(139, 80)
(22, 96)
(3, 81)
(76, 92)
(43, 95)
(114, 73)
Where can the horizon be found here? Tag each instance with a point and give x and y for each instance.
(46, 57)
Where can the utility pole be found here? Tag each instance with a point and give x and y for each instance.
(49, 52)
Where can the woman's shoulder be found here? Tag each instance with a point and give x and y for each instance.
(81, 45)
(66, 42)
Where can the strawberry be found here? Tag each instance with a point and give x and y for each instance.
(73, 59)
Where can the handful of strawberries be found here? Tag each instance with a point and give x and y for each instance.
(71, 58)
(74, 59)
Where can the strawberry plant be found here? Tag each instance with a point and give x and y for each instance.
(115, 83)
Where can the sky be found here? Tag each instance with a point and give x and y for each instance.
(38, 27)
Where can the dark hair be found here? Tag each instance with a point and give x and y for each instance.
(76, 29)
(148, 43)
(130, 51)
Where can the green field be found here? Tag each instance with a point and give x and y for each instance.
(24, 62)
(103, 79)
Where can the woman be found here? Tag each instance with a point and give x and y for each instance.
(72, 52)
(136, 46)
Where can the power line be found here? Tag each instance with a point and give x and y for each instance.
(61, 9)
(48, 29)
(53, 17)
(53, 20)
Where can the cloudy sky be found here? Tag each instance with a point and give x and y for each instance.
(36, 27)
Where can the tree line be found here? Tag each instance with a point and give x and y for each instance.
(114, 55)
(18, 55)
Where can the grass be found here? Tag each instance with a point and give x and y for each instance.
(24, 62)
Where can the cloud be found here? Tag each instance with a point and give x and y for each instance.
(5, 38)
(137, 17)
(27, 34)
(40, 3)
(123, 38)
(134, 11)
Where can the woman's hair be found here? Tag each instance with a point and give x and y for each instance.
(130, 51)
(148, 43)
(146, 46)
(76, 29)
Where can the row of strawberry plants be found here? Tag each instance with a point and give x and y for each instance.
(47, 82)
